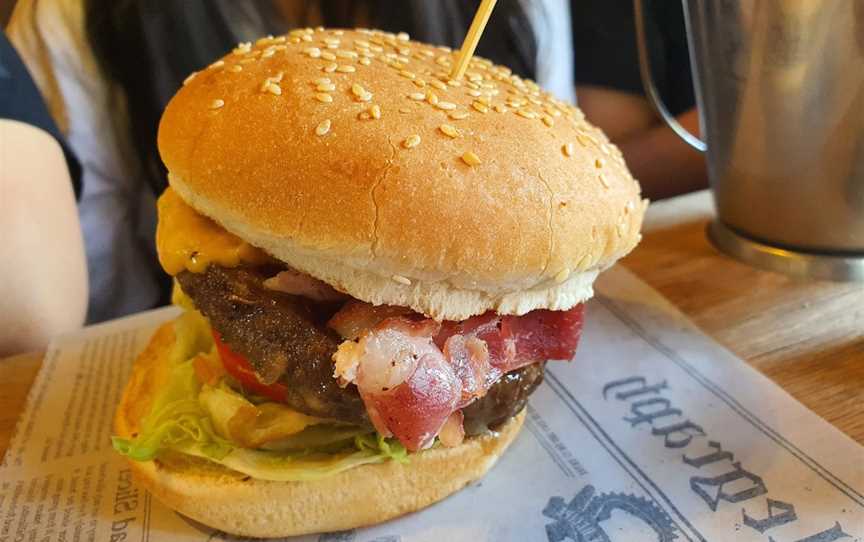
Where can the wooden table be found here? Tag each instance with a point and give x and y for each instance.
(807, 336)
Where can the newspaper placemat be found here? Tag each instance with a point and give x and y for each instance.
(654, 433)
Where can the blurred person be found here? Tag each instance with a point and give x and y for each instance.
(109, 67)
(43, 276)
(609, 90)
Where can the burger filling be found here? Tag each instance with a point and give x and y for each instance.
(288, 365)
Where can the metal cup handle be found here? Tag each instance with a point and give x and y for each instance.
(651, 89)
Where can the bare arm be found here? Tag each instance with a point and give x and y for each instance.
(43, 274)
(664, 165)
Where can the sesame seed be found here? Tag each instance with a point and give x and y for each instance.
(323, 127)
(481, 107)
(375, 111)
(278, 77)
(604, 181)
(338, 32)
(547, 120)
(402, 36)
(418, 96)
(474, 93)
(402, 280)
(236, 68)
(500, 108)
(274, 89)
(365, 61)
(471, 159)
(446, 106)
(621, 229)
(247, 61)
(526, 114)
(217, 64)
(217, 103)
(583, 140)
(346, 69)
(313, 52)
(567, 149)
(458, 115)
(438, 84)
(362, 44)
(562, 275)
(327, 55)
(189, 78)
(324, 98)
(454, 82)
(407, 74)
(306, 37)
(358, 90)
(268, 53)
(598, 163)
(411, 141)
(630, 206)
(449, 130)
(330, 68)
(432, 98)
(322, 81)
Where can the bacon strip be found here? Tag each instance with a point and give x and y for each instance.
(294, 282)
(407, 385)
(414, 375)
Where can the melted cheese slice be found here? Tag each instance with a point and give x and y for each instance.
(188, 240)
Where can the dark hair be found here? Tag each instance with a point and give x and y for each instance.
(149, 46)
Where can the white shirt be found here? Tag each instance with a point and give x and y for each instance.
(117, 208)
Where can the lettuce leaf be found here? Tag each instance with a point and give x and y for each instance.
(199, 420)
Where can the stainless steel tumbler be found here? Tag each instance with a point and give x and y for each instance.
(780, 90)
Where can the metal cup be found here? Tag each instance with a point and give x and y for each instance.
(780, 90)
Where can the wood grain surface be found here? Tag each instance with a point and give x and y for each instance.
(807, 336)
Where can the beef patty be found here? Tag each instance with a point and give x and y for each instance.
(285, 339)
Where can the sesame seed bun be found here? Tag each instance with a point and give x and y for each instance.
(396, 186)
(236, 504)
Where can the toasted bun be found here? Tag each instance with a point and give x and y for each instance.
(232, 502)
(550, 204)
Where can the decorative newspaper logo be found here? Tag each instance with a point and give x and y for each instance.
(580, 520)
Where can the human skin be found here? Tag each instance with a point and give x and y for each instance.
(43, 271)
(664, 164)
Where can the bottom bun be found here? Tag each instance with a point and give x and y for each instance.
(237, 504)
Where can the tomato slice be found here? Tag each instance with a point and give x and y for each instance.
(239, 367)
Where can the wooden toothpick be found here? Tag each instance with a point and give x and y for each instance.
(472, 38)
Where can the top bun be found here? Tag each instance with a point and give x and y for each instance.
(352, 156)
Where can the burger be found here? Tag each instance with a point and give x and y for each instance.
(374, 262)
